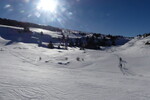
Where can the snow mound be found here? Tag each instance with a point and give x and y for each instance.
(136, 47)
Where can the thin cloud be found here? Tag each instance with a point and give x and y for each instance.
(7, 6)
(26, 1)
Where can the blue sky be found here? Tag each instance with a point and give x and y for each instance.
(116, 17)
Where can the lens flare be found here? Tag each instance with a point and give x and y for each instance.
(48, 5)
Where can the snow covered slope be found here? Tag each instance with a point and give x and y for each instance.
(16, 34)
(29, 72)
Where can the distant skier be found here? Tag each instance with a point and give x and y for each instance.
(122, 66)
(40, 58)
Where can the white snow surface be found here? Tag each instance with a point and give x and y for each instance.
(29, 72)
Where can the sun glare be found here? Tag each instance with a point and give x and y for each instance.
(47, 5)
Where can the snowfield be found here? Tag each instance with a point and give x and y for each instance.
(29, 72)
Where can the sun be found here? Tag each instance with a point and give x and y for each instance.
(47, 5)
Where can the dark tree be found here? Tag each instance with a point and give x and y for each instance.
(71, 43)
(50, 45)
(26, 29)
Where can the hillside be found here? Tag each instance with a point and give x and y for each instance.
(63, 37)
(30, 72)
